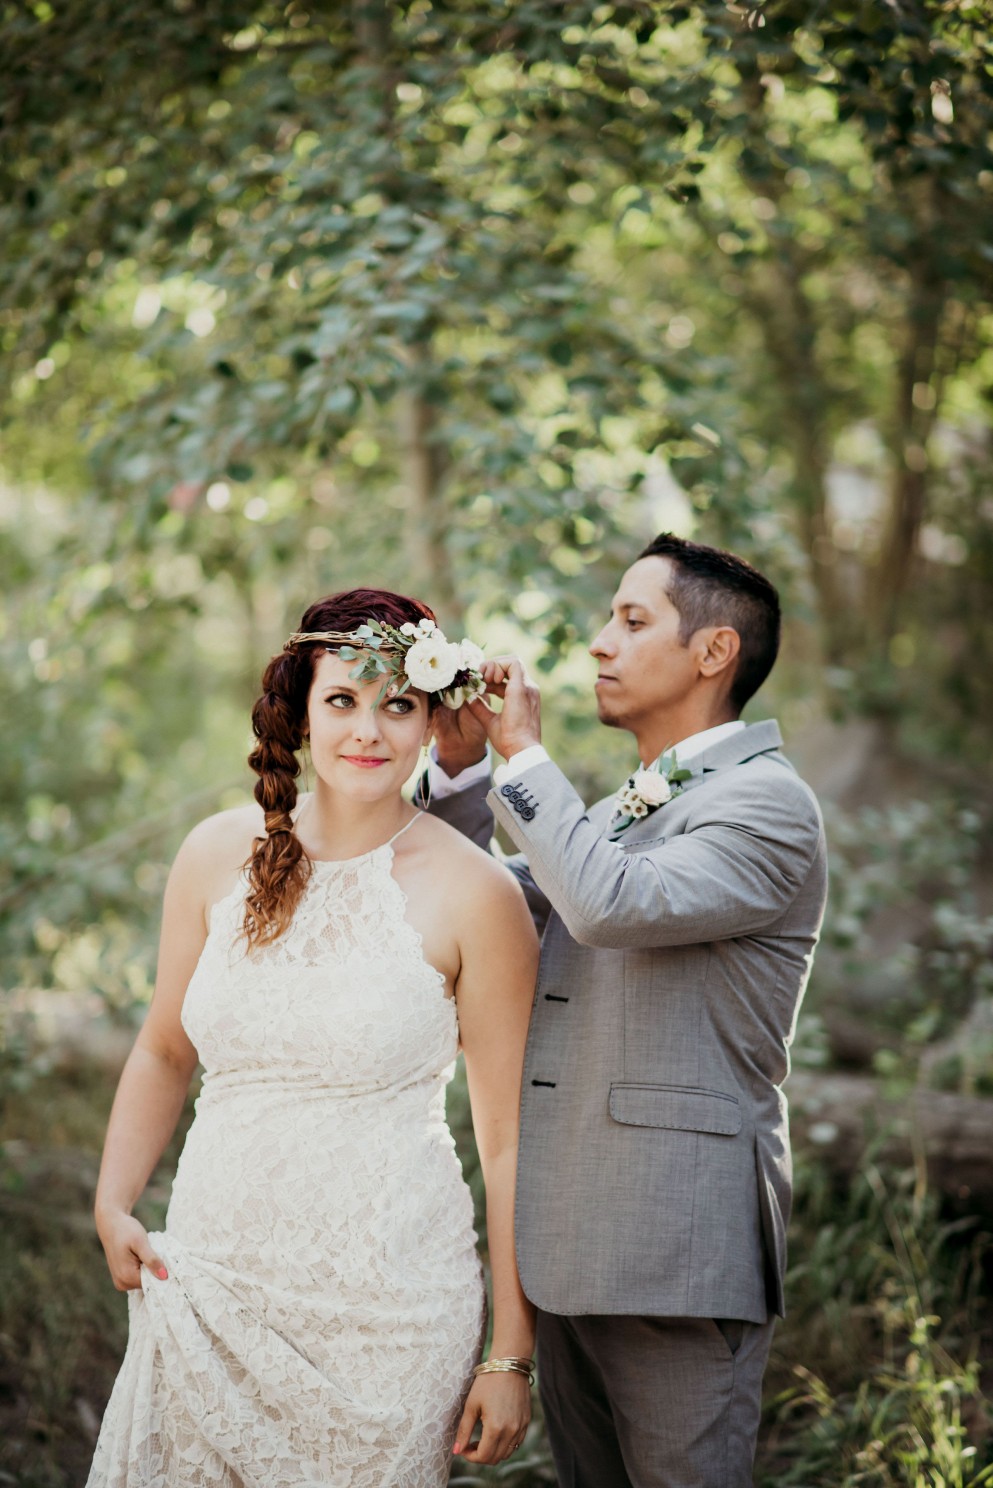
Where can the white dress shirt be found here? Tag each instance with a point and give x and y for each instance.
(441, 785)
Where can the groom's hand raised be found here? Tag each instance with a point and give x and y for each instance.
(459, 739)
(518, 725)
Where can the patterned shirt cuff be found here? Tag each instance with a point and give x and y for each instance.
(442, 785)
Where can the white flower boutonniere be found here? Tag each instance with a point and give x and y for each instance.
(648, 789)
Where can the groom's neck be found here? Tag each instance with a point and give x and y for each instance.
(666, 731)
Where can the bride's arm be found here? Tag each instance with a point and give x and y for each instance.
(494, 993)
(154, 1081)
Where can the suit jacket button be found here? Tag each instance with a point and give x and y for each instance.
(506, 790)
(528, 813)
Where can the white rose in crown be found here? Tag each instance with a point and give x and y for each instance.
(431, 663)
(471, 685)
(471, 656)
(653, 788)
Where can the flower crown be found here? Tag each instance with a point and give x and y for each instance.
(411, 656)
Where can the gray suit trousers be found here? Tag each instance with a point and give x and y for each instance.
(651, 1402)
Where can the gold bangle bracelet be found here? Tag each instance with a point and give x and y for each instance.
(524, 1367)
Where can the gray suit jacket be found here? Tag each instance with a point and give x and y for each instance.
(654, 1169)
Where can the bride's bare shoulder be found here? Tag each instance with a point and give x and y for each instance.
(220, 845)
(465, 871)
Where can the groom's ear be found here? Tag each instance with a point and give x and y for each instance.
(719, 648)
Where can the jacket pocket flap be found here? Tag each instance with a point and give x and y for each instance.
(677, 1107)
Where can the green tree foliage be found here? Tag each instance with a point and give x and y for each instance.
(481, 269)
(433, 294)
(343, 231)
(284, 298)
(835, 266)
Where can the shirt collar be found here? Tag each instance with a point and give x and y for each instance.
(689, 748)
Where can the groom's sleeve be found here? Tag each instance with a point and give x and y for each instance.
(735, 871)
(468, 811)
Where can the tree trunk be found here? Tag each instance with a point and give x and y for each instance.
(427, 513)
(424, 462)
(789, 328)
(842, 1116)
(910, 430)
(788, 323)
(373, 32)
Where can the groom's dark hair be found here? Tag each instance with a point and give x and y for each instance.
(711, 587)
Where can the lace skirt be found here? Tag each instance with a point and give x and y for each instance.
(324, 1306)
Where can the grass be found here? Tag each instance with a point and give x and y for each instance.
(876, 1379)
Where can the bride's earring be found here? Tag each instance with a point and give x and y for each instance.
(422, 795)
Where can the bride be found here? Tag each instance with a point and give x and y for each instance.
(313, 1310)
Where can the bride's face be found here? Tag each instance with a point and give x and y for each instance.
(357, 748)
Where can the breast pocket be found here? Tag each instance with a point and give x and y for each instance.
(676, 1108)
(648, 845)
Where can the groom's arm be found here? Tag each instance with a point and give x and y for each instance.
(735, 871)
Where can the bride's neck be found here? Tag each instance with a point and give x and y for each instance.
(337, 827)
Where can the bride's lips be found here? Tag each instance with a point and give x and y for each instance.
(604, 678)
(364, 761)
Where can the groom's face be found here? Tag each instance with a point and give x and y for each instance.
(645, 670)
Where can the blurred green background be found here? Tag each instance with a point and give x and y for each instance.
(471, 300)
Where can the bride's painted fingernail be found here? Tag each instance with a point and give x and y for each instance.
(162, 1274)
(456, 1449)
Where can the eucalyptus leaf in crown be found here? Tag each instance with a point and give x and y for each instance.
(409, 656)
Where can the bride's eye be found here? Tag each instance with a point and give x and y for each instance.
(340, 700)
(402, 705)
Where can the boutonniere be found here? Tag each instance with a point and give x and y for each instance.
(648, 789)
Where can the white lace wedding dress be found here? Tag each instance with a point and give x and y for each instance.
(324, 1306)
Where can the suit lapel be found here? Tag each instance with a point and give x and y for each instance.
(734, 749)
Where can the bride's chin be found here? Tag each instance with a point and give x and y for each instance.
(353, 784)
(368, 787)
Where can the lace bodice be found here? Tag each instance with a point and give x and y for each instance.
(344, 996)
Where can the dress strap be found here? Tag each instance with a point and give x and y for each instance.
(390, 840)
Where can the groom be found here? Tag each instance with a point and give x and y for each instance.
(654, 1170)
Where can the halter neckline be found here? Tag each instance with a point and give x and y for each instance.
(357, 858)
